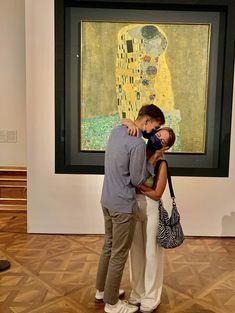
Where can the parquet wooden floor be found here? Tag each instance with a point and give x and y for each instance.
(56, 273)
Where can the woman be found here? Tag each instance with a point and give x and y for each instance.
(146, 256)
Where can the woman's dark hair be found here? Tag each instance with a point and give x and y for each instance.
(171, 140)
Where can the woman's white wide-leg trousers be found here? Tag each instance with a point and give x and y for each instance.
(146, 256)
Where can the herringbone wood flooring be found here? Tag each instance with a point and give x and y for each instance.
(56, 273)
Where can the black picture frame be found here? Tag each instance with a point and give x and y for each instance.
(215, 162)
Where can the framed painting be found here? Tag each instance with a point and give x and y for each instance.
(127, 65)
(113, 57)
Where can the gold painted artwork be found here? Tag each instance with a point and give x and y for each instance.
(127, 65)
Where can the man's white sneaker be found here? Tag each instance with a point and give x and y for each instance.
(120, 307)
(99, 296)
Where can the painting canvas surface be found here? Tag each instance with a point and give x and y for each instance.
(127, 65)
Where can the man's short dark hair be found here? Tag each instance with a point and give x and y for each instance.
(152, 111)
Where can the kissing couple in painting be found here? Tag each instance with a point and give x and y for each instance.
(131, 189)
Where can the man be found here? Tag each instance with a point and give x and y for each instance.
(125, 168)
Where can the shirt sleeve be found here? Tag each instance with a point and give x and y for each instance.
(139, 167)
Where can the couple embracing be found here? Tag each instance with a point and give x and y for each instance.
(133, 183)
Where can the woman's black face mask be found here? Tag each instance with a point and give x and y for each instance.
(154, 143)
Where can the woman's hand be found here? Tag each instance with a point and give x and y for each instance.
(133, 130)
(142, 188)
(139, 187)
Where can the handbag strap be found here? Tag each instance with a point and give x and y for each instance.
(168, 177)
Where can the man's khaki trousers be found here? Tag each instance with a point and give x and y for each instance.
(119, 231)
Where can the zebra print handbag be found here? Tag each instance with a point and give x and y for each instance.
(170, 232)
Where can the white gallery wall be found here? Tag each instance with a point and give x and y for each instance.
(12, 83)
(59, 203)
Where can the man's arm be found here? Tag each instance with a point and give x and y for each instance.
(140, 169)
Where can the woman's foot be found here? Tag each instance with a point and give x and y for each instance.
(148, 310)
(134, 301)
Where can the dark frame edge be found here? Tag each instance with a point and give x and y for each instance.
(227, 97)
(223, 167)
(59, 87)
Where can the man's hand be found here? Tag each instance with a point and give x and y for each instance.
(133, 130)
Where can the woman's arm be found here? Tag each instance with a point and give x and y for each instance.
(133, 130)
(160, 184)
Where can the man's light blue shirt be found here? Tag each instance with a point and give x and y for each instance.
(125, 168)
